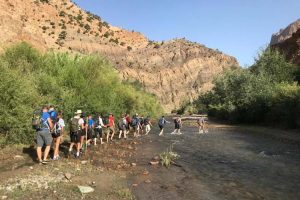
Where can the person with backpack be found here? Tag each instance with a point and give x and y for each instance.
(43, 136)
(135, 123)
(161, 124)
(122, 126)
(178, 124)
(99, 128)
(128, 122)
(90, 131)
(142, 125)
(57, 135)
(147, 124)
(53, 116)
(76, 127)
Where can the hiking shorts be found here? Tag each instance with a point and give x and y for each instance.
(177, 126)
(43, 137)
(161, 127)
(99, 132)
(75, 137)
(122, 128)
(136, 128)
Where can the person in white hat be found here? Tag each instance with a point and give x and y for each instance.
(76, 127)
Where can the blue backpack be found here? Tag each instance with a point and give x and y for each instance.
(53, 115)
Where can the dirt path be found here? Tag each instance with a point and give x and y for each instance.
(227, 163)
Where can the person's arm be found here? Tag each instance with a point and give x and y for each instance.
(50, 123)
(62, 126)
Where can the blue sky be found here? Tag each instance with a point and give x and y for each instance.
(236, 27)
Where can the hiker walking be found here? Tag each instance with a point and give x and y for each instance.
(76, 127)
(147, 124)
(90, 131)
(142, 125)
(99, 128)
(110, 131)
(43, 136)
(57, 135)
(178, 124)
(122, 126)
(83, 131)
(161, 124)
(135, 123)
(128, 123)
(201, 125)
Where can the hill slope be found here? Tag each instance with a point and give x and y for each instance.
(175, 71)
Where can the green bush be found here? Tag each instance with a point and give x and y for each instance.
(90, 83)
(265, 93)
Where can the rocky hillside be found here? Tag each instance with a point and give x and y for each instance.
(288, 41)
(175, 71)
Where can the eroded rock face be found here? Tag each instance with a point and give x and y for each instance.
(290, 46)
(176, 71)
(286, 33)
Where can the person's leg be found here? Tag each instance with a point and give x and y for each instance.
(120, 133)
(39, 153)
(81, 141)
(107, 135)
(48, 141)
(112, 134)
(39, 142)
(101, 136)
(56, 150)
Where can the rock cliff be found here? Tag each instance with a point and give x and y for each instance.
(176, 71)
(288, 42)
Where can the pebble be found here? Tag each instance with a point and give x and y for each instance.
(133, 164)
(134, 185)
(85, 189)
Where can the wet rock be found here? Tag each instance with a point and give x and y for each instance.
(130, 147)
(85, 189)
(133, 164)
(31, 168)
(154, 162)
(263, 154)
(134, 185)
(156, 158)
(68, 175)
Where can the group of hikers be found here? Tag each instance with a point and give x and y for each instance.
(50, 127)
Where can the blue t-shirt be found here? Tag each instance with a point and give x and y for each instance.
(44, 120)
(91, 123)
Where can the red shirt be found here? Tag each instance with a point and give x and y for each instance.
(111, 121)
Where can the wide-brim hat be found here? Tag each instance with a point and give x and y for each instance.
(78, 112)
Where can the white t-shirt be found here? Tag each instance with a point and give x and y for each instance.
(80, 121)
(100, 123)
(61, 124)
